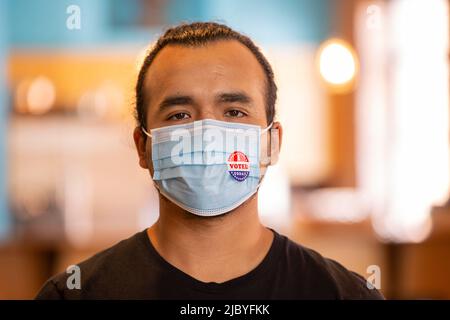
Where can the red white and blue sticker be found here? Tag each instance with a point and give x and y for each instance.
(238, 166)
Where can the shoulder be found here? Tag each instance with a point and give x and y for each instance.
(97, 271)
(324, 273)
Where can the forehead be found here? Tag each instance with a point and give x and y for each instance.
(218, 65)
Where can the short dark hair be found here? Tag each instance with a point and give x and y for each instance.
(196, 34)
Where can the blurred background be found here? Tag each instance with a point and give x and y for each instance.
(363, 175)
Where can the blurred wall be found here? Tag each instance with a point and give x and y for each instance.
(105, 22)
(4, 111)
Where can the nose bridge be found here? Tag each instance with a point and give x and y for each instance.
(206, 104)
(207, 110)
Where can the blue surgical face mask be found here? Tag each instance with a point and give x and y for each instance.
(209, 167)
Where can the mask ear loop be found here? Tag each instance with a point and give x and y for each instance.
(267, 128)
(145, 131)
(149, 135)
(267, 159)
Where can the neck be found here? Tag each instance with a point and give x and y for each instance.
(211, 249)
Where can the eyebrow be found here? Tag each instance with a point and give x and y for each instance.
(224, 97)
(175, 100)
(240, 97)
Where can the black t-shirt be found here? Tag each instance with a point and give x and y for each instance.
(133, 269)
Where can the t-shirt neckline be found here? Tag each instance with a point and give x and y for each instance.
(266, 264)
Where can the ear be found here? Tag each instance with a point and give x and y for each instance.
(140, 140)
(277, 125)
(276, 136)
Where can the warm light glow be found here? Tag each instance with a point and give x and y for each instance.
(403, 116)
(40, 95)
(419, 167)
(345, 205)
(302, 109)
(274, 198)
(337, 62)
(371, 108)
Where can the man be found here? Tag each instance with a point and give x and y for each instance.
(204, 80)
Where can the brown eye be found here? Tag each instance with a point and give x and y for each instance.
(234, 114)
(180, 116)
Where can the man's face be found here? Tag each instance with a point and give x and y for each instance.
(220, 80)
